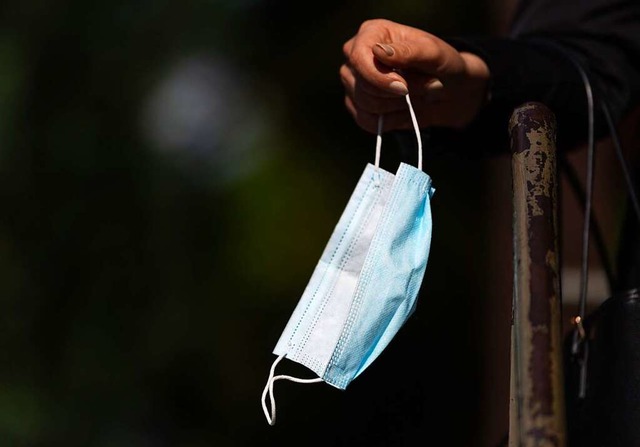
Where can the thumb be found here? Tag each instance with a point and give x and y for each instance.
(426, 54)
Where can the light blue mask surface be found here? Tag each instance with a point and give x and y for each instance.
(366, 283)
(390, 279)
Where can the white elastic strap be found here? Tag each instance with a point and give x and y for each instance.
(417, 130)
(271, 418)
(379, 141)
(414, 120)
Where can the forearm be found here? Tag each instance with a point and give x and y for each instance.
(532, 65)
(520, 72)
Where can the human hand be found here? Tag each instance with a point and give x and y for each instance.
(386, 60)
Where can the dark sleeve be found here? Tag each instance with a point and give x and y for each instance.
(534, 63)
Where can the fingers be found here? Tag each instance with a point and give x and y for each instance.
(435, 113)
(353, 80)
(358, 54)
(346, 48)
(424, 54)
(387, 60)
(382, 49)
(372, 100)
(369, 121)
(368, 97)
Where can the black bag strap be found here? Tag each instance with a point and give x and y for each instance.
(579, 348)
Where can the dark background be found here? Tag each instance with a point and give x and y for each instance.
(169, 175)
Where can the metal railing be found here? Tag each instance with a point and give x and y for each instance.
(537, 403)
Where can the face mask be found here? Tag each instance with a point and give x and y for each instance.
(366, 282)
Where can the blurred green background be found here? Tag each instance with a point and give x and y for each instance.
(170, 173)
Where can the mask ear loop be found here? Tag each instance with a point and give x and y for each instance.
(379, 140)
(271, 416)
(414, 121)
(268, 389)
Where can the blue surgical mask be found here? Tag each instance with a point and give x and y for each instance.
(366, 283)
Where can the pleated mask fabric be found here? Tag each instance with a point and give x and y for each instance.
(366, 282)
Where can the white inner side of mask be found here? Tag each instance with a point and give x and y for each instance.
(268, 389)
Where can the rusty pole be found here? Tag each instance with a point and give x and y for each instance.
(537, 409)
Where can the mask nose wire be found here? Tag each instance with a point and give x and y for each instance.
(271, 416)
(414, 121)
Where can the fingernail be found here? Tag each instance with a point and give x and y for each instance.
(435, 84)
(399, 88)
(388, 49)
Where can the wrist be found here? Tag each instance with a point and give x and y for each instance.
(478, 71)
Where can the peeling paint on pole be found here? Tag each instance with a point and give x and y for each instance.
(537, 411)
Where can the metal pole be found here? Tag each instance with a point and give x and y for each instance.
(537, 408)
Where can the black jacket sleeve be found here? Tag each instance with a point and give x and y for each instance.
(534, 63)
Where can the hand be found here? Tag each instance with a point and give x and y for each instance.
(387, 60)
